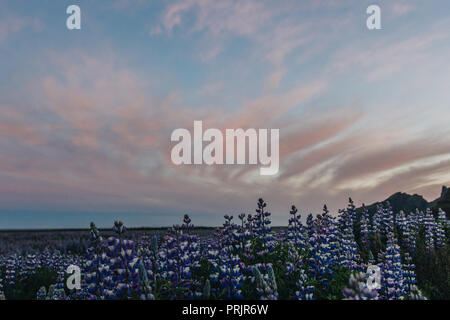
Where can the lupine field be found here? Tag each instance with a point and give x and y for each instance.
(322, 257)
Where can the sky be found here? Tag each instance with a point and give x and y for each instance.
(86, 115)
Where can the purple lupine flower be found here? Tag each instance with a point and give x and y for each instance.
(430, 229)
(349, 256)
(364, 228)
(358, 289)
(393, 286)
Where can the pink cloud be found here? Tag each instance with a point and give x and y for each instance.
(110, 146)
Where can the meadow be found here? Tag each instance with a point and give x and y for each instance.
(321, 257)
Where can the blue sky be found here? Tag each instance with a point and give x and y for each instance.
(86, 115)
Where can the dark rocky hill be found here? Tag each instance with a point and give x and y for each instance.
(401, 201)
(408, 203)
(442, 202)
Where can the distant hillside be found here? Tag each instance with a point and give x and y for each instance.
(442, 202)
(401, 201)
(407, 203)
